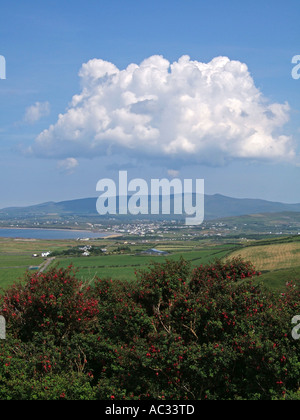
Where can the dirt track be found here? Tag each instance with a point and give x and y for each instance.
(45, 265)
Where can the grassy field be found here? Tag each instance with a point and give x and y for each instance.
(279, 262)
(274, 256)
(16, 258)
(279, 259)
(124, 266)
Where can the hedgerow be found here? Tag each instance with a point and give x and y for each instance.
(176, 333)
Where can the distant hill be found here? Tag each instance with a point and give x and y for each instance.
(219, 206)
(84, 206)
(216, 207)
(284, 223)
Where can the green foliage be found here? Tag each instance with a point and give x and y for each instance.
(77, 251)
(53, 304)
(177, 333)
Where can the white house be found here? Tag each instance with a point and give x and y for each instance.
(45, 254)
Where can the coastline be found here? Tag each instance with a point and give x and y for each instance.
(83, 233)
(48, 228)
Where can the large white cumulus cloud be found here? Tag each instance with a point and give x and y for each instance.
(191, 111)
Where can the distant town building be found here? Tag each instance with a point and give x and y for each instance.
(45, 254)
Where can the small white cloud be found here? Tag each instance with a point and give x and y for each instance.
(187, 111)
(37, 111)
(173, 173)
(68, 165)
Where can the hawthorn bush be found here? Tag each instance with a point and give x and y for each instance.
(55, 304)
(176, 333)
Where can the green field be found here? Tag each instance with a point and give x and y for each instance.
(278, 259)
(277, 279)
(124, 266)
(16, 258)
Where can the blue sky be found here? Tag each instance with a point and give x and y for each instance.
(46, 44)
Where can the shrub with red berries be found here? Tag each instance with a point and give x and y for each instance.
(54, 303)
(175, 333)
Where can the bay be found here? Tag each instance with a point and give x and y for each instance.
(48, 234)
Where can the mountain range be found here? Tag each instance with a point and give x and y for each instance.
(216, 207)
